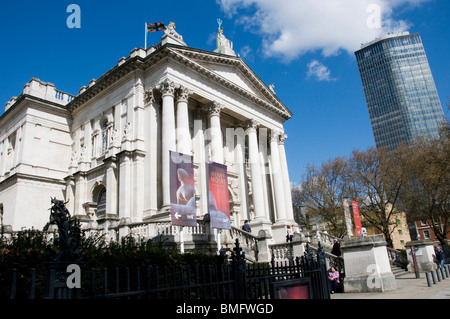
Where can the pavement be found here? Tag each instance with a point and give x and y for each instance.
(408, 287)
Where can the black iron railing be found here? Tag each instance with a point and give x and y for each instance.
(233, 279)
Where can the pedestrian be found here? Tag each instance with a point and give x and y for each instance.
(336, 248)
(440, 256)
(290, 234)
(294, 230)
(333, 279)
(246, 227)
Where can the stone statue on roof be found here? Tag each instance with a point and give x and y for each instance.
(224, 46)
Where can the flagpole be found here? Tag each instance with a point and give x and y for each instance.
(145, 46)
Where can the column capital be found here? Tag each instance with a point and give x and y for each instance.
(167, 88)
(275, 136)
(214, 109)
(252, 125)
(282, 138)
(182, 94)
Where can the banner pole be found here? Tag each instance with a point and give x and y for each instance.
(182, 239)
(145, 45)
(219, 231)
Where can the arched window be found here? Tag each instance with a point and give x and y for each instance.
(101, 203)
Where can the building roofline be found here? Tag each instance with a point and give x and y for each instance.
(386, 38)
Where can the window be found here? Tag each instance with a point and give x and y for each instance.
(105, 136)
(101, 203)
(426, 234)
(400, 232)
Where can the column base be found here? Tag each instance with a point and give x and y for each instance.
(260, 223)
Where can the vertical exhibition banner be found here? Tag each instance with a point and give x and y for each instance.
(348, 219)
(219, 205)
(182, 190)
(357, 218)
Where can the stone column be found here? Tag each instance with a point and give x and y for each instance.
(184, 140)
(139, 114)
(216, 143)
(125, 190)
(240, 161)
(111, 185)
(367, 267)
(286, 181)
(168, 136)
(255, 168)
(151, 138)
(280, 199)
(201, 184)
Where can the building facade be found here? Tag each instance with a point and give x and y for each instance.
(400, 92)
(106, 150)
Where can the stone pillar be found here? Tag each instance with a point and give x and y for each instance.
(151, 138)
(111, 186)
(139, 123)
(240, 161)
(201, 186)
(184, 141)
(168, 136)
(286, 181)
(125, 190)
(138, 185)
(277, 177)
(80, 193)
(367, 267)
(255, 169)
(216, 144)
(424, 251)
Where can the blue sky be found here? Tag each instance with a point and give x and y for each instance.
(304, 47)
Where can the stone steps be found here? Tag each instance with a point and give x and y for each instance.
(398, 271)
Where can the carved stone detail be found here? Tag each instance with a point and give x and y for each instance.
(214, 109)
(252, 125)
(168, 88)
(182, 94)
(149, 97)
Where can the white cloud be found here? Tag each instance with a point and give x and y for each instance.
(291, 28)
(245, 51)
(319, 71)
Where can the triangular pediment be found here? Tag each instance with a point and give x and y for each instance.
(234, 72)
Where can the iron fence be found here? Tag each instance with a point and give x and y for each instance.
(233, 279)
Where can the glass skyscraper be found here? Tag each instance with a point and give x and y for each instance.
(400, 92)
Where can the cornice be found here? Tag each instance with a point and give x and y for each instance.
(184, 56)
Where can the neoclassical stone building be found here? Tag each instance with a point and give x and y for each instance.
(106, 150)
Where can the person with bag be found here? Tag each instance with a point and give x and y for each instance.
(333, 279)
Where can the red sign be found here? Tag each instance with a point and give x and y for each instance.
(357, 218)
(219, 205)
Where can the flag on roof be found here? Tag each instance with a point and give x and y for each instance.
(157, 26)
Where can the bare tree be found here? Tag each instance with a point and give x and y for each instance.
(322, 193)
(426, 195)
(375, 183)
